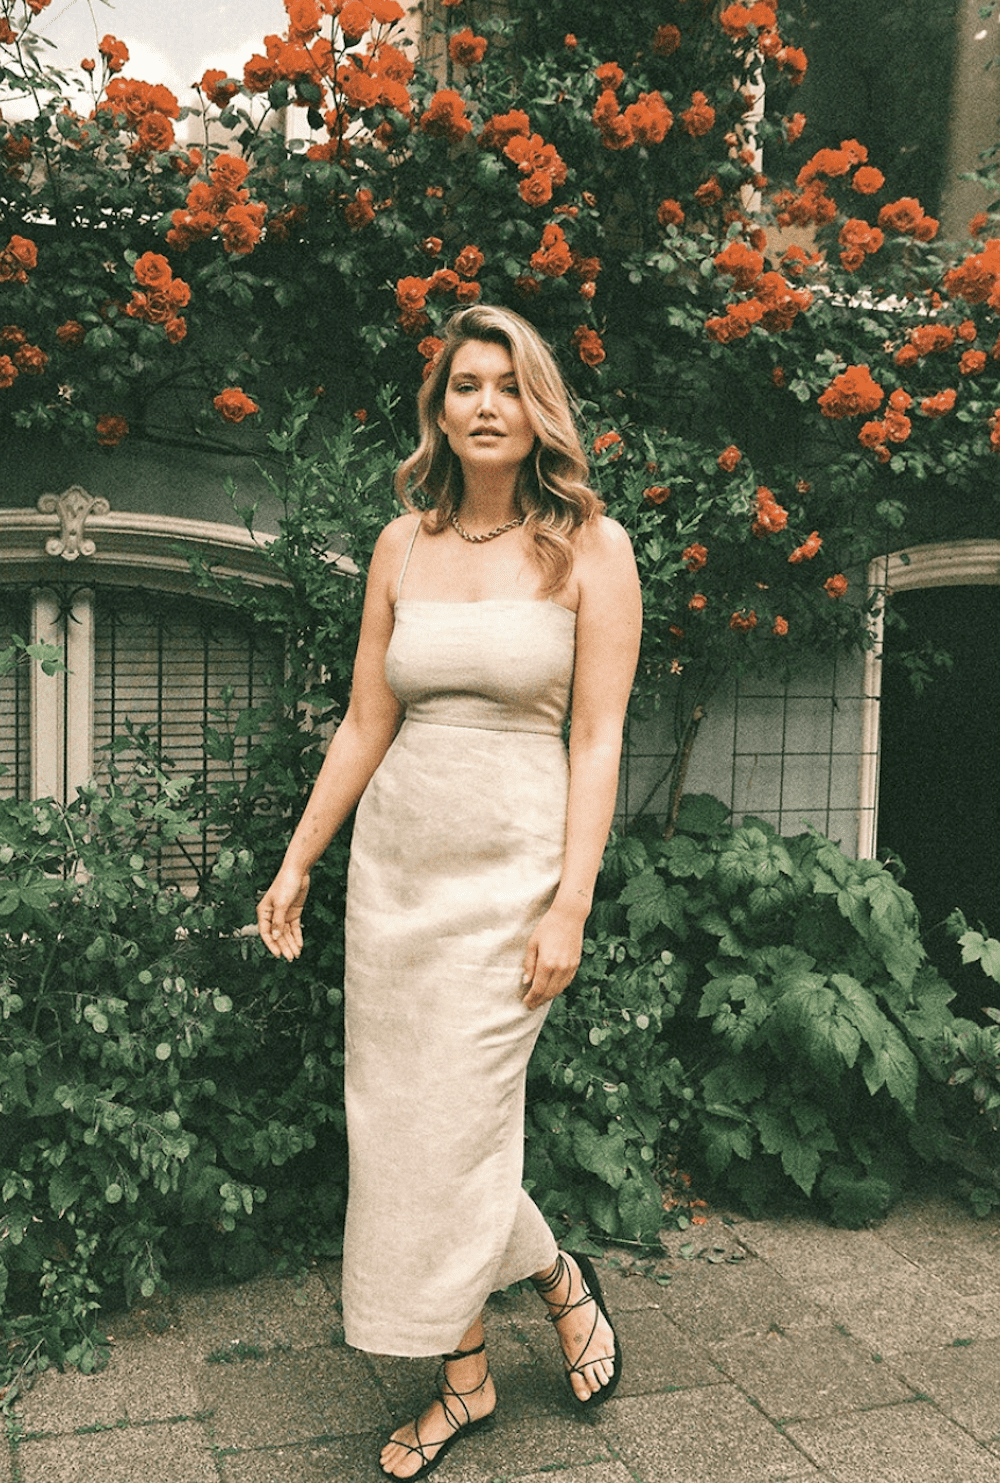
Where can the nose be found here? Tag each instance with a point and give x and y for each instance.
(487, 399)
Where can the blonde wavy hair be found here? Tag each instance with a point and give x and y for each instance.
(553, 489)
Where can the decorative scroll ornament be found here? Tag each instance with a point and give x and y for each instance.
(73, 507)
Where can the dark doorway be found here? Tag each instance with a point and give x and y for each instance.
(939, 785)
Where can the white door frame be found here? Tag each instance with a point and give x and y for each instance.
(973, 563)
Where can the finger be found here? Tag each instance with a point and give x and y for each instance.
(539, 991)
(530, 965)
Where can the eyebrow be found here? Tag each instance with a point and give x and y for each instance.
(475, 376)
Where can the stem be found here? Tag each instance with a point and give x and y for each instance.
(683, 759)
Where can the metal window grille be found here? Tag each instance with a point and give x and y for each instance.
(165, 670)
(15, 700)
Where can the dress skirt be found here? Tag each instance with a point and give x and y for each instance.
(456, 855)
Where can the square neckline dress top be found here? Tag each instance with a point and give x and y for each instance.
(456, 855)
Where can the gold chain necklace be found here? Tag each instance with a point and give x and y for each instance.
(488, 535)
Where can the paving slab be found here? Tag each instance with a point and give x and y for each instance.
(142, 1381)
(269, 1313)
(901, 1313)
(712, 1435)
(912, 1443)
(809, 1254)
(964, 1382)
(779, 1351)
(660, 1356)
(598, 1472)
(350, 1460)
(748, 1298)
(288, 1398)
(179, 1453)
(812, 1373)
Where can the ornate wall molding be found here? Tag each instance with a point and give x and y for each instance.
(130, 549)
(72, 508)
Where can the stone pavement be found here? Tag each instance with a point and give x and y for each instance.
(754, 1351)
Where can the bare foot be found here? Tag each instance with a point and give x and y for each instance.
(586, 1336)
(467, 1396)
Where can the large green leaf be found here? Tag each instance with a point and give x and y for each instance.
(895, 1067)
(652, 903)
(601, 1154)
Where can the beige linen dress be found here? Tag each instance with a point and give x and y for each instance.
(457, 852)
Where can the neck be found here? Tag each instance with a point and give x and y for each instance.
(488, 501)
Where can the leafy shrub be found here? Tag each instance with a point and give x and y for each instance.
(168, 1089)
(766, 1004)
(155, 1073)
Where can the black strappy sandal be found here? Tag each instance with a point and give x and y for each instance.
(592, 1294)
(446, 1393)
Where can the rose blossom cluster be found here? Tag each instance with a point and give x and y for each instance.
(159, 296)
(18, 356)
(221, 204)
(773, 303)
(143, 109)
(413, 292)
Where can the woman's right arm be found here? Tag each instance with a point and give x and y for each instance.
(355, 751)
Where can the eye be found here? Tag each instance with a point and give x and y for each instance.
(512, 389)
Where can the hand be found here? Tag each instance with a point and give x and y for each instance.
(551, 958)
(279, 914)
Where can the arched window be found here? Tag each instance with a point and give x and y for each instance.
(148, 661)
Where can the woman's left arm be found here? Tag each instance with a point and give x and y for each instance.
(608, 628)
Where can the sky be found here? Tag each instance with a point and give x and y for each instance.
(169, 41)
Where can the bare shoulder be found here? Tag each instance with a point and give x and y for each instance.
(603, 550)
(390, 551)
(396, 536)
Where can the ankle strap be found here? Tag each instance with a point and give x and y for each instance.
(465, 1353)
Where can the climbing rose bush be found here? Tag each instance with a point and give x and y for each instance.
(730, 325)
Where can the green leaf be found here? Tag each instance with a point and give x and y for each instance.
(640, 1208)
(895, 1067)
(800, 1159)
(721, 1139)
(602, 1208)
(982, 950)
(64, 1190)
(652, 904)
(684, 858)
(700, 813)
(603, 1155)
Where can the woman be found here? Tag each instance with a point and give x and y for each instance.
(476, 846)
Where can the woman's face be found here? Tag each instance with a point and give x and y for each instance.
(483, 416)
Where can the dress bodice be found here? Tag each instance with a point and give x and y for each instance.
(499, 664)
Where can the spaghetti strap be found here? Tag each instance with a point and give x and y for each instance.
(406, 559)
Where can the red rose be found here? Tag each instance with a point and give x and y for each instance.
(851, 394)
(466, 49)
(110, 430)
(114, 52)
(155, 133)
(808, 549)
(743, 621)
(153, 271)
(666, 40)
(233, 404)
(469, 262)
